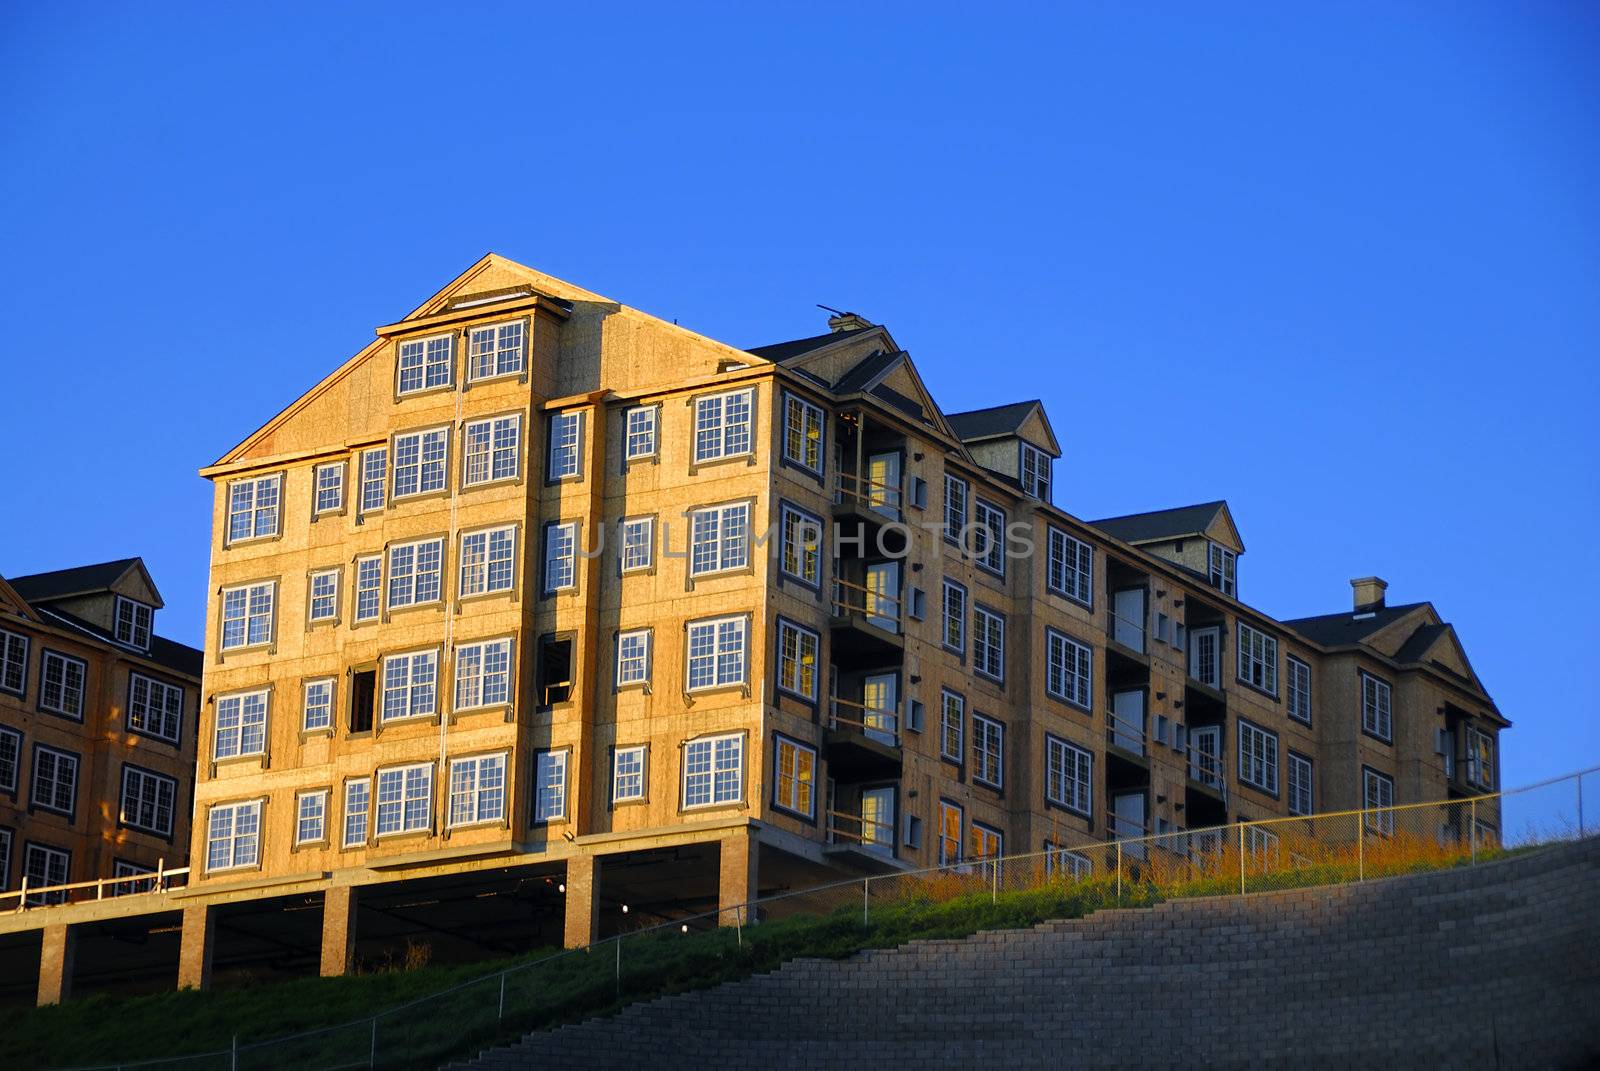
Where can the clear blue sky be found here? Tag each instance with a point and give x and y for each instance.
(1338, 267)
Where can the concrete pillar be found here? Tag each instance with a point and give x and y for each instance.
(583, 901)
(338, 931)
(195, 945)
(736, 876)
(55, 964)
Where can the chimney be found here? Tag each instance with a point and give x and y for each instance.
(1369, 593)
(848, 321)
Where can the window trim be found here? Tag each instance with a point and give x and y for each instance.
(649, 565)
(555, 421)
(248, 587)
(953, 536)
(45, 654)
(364, 478)
(977, 669)
(644, 774)
(151, 680)
(345, 843)
(979, 503)
(1082, 548)
(1388, 692)
(644, 682)
(456, 677)
(306, 684)
(1310, 783)
(266, 723)
(1270, 770)
(14, 787)
(787, 509)
(34, 803)
(947, 806)
(695, 459)
(684, 806)
(721, 542)
(779, 741)
(255, 494)
(744, 660)
(116, 622)
(959, 757)
(317, 508)
(381, 685)
(546, 590)
(628, 457)
(780, 627)
(566, 787)
(1292, 664)
(421, 434)
(491, 480)
(312, 620)
(790, 397)
(1383, 821)
(427, 827)
(356, 618)
(978, 746)
(1224, 565)
(522, 349)
(1051, 635)
(306, 794)
(477, 759)
(1044, 470)
(1073, 751)
(6, 636)
(389, 605)
(423, 340)
(1242, 651)
(488, 534)
(259, 805)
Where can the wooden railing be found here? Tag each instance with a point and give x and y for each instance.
(159, 880)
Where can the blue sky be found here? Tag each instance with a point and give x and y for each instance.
(1336, 265)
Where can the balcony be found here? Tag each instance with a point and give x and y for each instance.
(862, 740)
(866, 619)
(1126, 737)
(1206, 771)
(855, 833)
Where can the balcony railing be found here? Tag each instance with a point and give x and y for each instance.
(1207, 769)
(34, 895)
(879, 497)
(878, 608)
(1127, 632)
(1125, 734)
(871, 834)
(879, 723)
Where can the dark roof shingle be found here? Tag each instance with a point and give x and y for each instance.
(1333, 630)
(991, 422)
(799, 347)
(63, 583)
(1162, 523)
(178, 657)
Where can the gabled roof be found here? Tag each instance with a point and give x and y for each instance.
(1334, 630)
(1163, 524)
(782, 352)
(994, 422)
(178, 657)
(863, 375)
(79, 580)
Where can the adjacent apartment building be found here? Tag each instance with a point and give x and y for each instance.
(97, 730)
(536, 573)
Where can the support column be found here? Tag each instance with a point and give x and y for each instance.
(194, 947)
(338, 930)
(583, 901)
(55, 964)
(736, 881)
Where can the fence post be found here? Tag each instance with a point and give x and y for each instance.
(1241, 858)
(372, 1051)
(994, 881)
(233, 1056)
(866, 883)
(1119, 871)
(1580, 812)
(502, 1014)
(1474, 833)
(619, 964)
(738, 924)
(1361, 845)
(22, 896)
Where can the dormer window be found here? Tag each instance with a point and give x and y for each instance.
(495, 351)
(1223, 565)
(1035, 471)
(426, 364)
(133, 623)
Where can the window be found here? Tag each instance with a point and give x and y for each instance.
(55, 779)
(795, 777)
(555, 670)
(549, 786)
(1069, 667)
(426, 363)
(311, 818)
(483, 674)
(44, 867)
(416, 573)
(323, 604)
(628, 765)
(991, 543)
(1377, 793)
(713, 771)
(357, 800)
(566, 446)
(405, 799)
(247, 615)
(409, 681)
(1261, 847)
(988, 751)
(638, 544)
(1258, 757)
(802, 546)
(478, 790)
(13, 662)
(374, 477)
(1376, 709)
(1035, 469)
(363, 699)
(495, 350)
(955, 507)
(719, 539)
(1480, 759)
(633, 657)
(987, 843)
(491, 450)
(798, 650)
(317, 714)
(487, 562)
(1066, 863)
(640, 432)
(233, 835)
(61, 684)
(1071, 567)
(253, 507)
(988, 643)
(420, 462)
(952, 722)
(134, 621)
(1299, 784)
(123, 869)
(913, 836)
(369, 587)
(1067, 775)
(1223, 563)
(716, 652)
(1258, 659)
(949, 833)
(1299, 690)
(802, 433)
(241, 727)
(5, 858)
(330, 488)
(722, 425)
(560, 557)
(10, 762)
(955, 617)
(155, 708)
(1205, 659)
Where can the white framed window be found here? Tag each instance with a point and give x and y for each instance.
(13, 662)
(952, 725)
(633, 657)
(410, 684)
(1066, 863)
(802, 433)
(638, 544)
(988, 751)
(801, 555)
(560, 557)
(1071, 567)
(134, 621)
(794, 777)
(988, 643)
(374, 478)
(421, 462)
(1299, 784)
(1480, 759)
(799, 650)
(247, 615)
(322, 603)
(44, 867)
(416, 573)
(1223, 568)
(483, 674)
(722, 425)
(716, 652)
(1299, 697)
(950, 840)
(233, 835)
(1261, 846)
(1258, 659)
(491, 450)
(1377, 707)
(629, 768)
(55, 779)
(405, 799)
(954, 633)
(991, 545)
(253, 507)
(1205, 656)
(713, 771)
(5, 859)
(719, 539)
(1069, 669)
(10, 760)
(566, 446)
(311, 817)
(639, 431)
(369, 587)
(316, 714)
(1377, 794)
(495, 350)
(61, 684)
(549, 786)
(329, 483)
(955, 507)
(155, 708)
(985, 842)
(1068, 776)
(1035, 469)
(488, 561)
(357, 804)
(241, 725)
(426, 364)
(1258, 757)
(478, 789)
